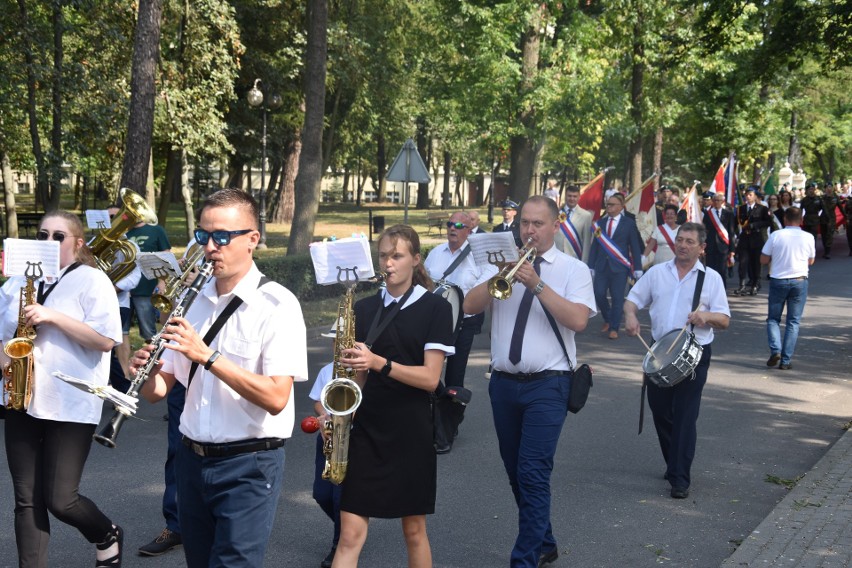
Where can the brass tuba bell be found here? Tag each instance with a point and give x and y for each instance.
(108, 244)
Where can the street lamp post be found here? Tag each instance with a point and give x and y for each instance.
(256, 99)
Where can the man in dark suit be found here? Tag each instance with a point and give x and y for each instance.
(474, 222)
(752, 218)
(719, 222)
(616, 252)
(510, 209)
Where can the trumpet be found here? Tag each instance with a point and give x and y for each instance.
(500, 286)
(175, 284)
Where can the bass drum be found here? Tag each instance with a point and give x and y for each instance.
(454, 295)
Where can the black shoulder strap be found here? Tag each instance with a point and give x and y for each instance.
(42, 295)
(696, 298)
(456, 262)
(376, 328)
(232, 306)
(552, 321)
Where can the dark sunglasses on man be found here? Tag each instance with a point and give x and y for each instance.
(44, 235)
(451, 225)
(221, 238)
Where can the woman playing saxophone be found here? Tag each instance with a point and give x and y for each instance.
(77, 321)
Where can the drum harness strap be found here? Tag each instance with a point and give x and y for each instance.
(456, 262)
(696, 298)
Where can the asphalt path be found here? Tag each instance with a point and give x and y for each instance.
(611, 506)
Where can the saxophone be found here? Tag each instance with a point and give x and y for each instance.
(175, 285)
(18, 374)
(342, 395)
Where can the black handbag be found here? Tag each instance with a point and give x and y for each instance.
(581, 377)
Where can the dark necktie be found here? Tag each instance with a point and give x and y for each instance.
(517, 342)
(570, 212)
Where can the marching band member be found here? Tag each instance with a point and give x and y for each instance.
(239, 407)
(531, 380)
(669, 290)
(78, 324)
(402, 335)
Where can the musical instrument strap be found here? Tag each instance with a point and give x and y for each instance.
(456, 262)
(376, 328)
(42, 294)
(232, 306)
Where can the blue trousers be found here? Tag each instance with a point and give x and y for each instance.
(614, 282)
(227, 506)
(675, 411)
(326, 493)
(175, 401)
(794, 293)
(146, 315)
(528, 418)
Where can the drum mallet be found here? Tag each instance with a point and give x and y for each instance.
(646, 345)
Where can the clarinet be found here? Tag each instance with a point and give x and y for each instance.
(110, 431)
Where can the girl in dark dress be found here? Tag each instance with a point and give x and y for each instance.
(392, 465)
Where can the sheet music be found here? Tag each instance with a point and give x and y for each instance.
(156, 265)
(108, 393)
(491, 248)
(98, 219)
(332, 257)
(18, 254)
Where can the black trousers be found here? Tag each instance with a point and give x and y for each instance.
(719, 263)
(46, 460)
(675, 411)
(748, 253)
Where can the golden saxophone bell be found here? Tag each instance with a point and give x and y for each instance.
(500, 286)
(175, 285)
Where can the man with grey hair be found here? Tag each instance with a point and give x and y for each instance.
(680, 292)
(474, 222)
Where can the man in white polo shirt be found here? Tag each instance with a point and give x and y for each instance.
(791, 251)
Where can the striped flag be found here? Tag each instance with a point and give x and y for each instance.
(718, 184)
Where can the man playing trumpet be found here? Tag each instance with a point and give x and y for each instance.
(531, 377)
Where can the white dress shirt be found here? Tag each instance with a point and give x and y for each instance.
(671, 298)
(323, 378)
(265, 335)
(84, 294)
(569, 278)
(465, 275)
(790, 248)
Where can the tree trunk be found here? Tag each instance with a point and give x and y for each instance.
(523, 147)
(636, 95)
(794, 152)
(307, 189)
(381, 165)
(345, 197)
(445, 194)
(658, 158)
(56, 128)
(330, 131)
(422, 146)
(285, 199)
(11, 208)
(41, 189)
(186, 197)
(171, 183)
(140, 124)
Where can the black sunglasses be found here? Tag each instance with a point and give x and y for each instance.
(44, 235)
(450, 225)
(221, 238)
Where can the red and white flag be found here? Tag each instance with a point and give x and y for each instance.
(718, 184)
(591, 196)
(692, 205)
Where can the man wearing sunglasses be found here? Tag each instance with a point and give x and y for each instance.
(452, 261)
(239, 407)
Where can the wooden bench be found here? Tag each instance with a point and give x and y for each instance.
(27, 221)
(436, 220)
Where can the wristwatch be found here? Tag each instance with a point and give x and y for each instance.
(387, 368)
(211, 360)
(538, 288)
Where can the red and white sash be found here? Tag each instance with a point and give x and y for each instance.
(665, 233)
(722, 232)
(610, 248)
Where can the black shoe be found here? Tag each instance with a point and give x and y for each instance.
(162, 544)
(116, 535)
(826, 256)
(548, 557)
(741, 291)
(327, 562)
(753, 291)
(773, 360)
(443, 448)
(785, 366)
(680, 492)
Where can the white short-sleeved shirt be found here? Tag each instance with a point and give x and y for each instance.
(129, 282)
(790, 248)
(671, 298)
(569, 278)
(265, 335)
(85, 294)
(465, 275)
(664, 251)
(323, 378)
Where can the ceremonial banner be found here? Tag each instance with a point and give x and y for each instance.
(591, 196)
(731, 181)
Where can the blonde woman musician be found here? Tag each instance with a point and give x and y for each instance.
(77, 322)
(392, 464)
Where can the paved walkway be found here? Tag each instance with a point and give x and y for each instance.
(812, 526)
